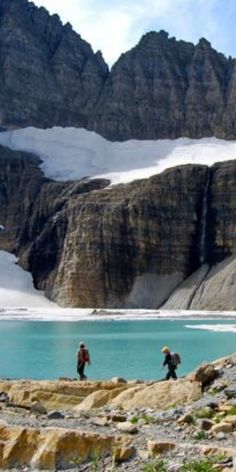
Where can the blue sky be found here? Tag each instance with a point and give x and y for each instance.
(114, 26)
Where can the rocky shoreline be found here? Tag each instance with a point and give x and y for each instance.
(119, 425)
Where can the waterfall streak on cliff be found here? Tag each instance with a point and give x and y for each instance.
(203, 223)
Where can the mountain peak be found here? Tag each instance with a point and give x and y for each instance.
(161, 88)
(203, 43)
(153, 37)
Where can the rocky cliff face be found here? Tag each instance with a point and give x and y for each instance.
(129, 245)
(162, 88)
(212, 286)
(165, 89)
(48, 74)
(166, 241)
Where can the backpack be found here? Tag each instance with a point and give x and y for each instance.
(175, 359)
(85, 355)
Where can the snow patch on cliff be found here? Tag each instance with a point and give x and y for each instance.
(16, 285)
(71, 153)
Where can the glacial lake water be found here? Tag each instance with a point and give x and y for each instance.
(127, 348)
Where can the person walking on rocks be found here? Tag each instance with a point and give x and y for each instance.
(172, 359)
(83, 358)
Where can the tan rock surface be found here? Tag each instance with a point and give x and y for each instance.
(122, 448)
(98, 399)
(57, 394)
(217, 450)
(159, 395)
(158, 447)
(91, 438)
(222, 427)
(50, 448)
(127, 427)
(231, 419)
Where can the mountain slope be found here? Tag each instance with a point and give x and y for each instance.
(162, 88)
(48, 74)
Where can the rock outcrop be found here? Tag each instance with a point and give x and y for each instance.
(167, 423)
(144, 244)
(162, 88)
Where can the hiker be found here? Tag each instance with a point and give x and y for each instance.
(172, 359)
(82, 358)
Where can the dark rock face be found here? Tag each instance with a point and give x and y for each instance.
(222, 211)
(165, 88)
(91, 246)
(34, 210)
(125, 233)
(162, 88)
(129, 245)
(48, 74)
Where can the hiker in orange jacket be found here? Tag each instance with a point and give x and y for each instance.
(83, 358)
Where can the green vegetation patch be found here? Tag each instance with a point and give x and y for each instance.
(198, 466)
(157, 466)
(204, 413)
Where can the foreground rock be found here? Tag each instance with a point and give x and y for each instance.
(101, 425)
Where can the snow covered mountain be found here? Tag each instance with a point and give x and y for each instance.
(115, 189)
(142, 243)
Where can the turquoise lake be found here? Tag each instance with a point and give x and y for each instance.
(131, 349)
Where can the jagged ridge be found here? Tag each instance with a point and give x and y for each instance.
(162, 88)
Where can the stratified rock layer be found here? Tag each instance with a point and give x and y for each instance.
(162, 88)
(151, 243)
(92, 246)
(123, 246)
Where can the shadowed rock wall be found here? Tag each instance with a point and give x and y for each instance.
(129, 245)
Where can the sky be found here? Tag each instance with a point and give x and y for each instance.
(115, 26)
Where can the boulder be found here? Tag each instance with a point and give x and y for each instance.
(230, 392)
(186, 418)
(127, 427)
(116, 418)
(118, 380)
(206, 424)
(158, 447)
(205, 374)
(222, 427)
(55, 415)
(122, 449)
(38, 407)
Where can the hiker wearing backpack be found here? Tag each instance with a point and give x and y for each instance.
(172, 360)
(83, 358)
